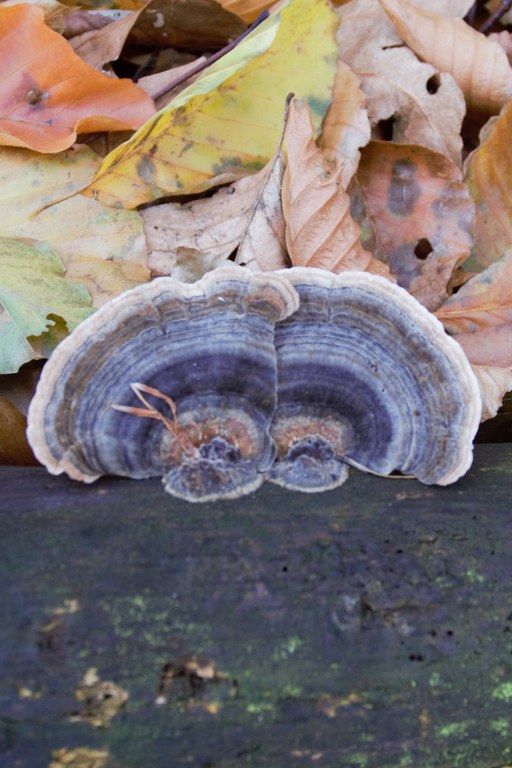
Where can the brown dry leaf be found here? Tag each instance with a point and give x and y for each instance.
(160, 85)
(100, 46)
(479, 66)
(191, 239)
(479, 315)
(320, 231)
(494, 383)
(419, 216)
(488, 175)
(195, 25)
(346, 127)
(426, 107)
(48, 94)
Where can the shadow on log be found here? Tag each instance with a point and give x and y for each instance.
(367, 627)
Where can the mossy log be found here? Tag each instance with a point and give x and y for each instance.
(366, 627)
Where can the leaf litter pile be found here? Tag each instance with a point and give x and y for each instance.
(177, 137)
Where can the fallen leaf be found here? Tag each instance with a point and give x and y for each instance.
(488, 173)
(346, 127)
(99, 46)
(320, 231)
(504, 39)
(419, 216)
(32, 290)
(14, 447)
(101, 247)
(248, 10)
(197, 25)
(478, 65)
(447, 7)
(420, 105)
(48, 94)
(193, 238)
(479, 315)
(55, 13)
(160, 86)
(227, 123)
(494, 383)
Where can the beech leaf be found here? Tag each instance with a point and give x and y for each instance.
(479, 66)
(101, 247)
(479, 315)
(32, 290)
(320, 231)
(426, 106)
(419, 216)
(48, 94)
(227, 123)
(346, 127)
(488, 175)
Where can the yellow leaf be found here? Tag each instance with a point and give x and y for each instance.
(479, 66)
(227, 123)
(422, 106)
(346, 127)
(320, 231)
(102, 248)
(488, 175)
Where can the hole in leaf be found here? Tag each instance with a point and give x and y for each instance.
(423, 249)
(433, 84)
(385, 128)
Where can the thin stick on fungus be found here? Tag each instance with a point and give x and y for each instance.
(150, 412)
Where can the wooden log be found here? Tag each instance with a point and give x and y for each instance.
(367, 627)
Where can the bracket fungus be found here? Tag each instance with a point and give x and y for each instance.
(367, 376)
(200, 358)
(242, 377)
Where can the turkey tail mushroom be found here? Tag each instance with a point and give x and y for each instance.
(168, 379)
(367, 376)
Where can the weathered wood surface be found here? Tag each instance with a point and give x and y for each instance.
(367, 627)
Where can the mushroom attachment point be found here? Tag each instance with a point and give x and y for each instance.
(368, 377)
(169, 379)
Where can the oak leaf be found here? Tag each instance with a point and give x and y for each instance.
(320, 231)
(228, 122)
(48, 94)
(479, 315)
(419, 216)
(479, 66)
(346, 127)
(101, 247)
(488, 173)
(423, 106)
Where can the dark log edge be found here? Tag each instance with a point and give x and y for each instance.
(367, 627)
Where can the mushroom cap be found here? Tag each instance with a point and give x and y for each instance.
(206, 348)
(366, 375)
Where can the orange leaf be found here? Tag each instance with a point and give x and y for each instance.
(480, 315)
(488, 174)
(48, 95)
(320, 231)
(248, 10)
(421, 215)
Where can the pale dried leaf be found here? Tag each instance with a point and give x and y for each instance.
(445, 7)
(160, 86)
(208, 231)
(346, 127)
(503, 38)
(320, 231)
(494, 383)
(479, 66)
(479, 315)
(396, 84)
